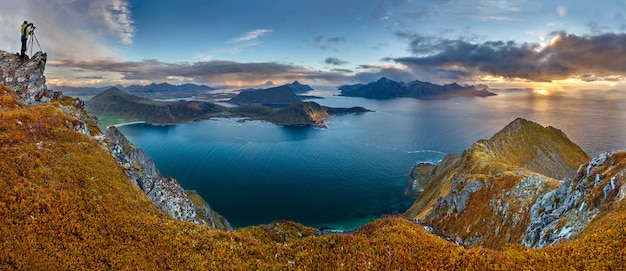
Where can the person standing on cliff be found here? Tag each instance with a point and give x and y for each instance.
(26, 29)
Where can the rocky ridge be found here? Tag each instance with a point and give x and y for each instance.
(522, 186)
(26, 80)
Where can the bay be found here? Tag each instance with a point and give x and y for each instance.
(356, 170)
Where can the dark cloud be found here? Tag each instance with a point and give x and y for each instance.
(211, 72)
(567, 56)
(334, 61)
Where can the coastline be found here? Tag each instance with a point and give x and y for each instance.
(128, 123)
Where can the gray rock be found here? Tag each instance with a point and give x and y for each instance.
(565, 212)
(25, 77)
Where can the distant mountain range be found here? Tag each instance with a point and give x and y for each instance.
(386, 88)
(152, 91)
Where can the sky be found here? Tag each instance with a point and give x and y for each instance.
(538, 44)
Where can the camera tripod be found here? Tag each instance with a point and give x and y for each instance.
(34, 38)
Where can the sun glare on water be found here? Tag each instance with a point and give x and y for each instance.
(541, 91)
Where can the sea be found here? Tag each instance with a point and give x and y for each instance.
(357, 169)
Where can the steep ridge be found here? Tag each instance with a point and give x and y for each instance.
(519, 187)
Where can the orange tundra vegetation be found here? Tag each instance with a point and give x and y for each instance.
(65, 205)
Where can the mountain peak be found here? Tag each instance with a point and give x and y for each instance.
(545, 150)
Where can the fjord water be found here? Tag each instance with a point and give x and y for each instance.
(357, 169)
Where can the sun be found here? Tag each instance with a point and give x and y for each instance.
(541, 91)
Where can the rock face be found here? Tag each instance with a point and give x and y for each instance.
(166, 193)
(385, 88)
(25, 77)
(487, 196)
(564, 212)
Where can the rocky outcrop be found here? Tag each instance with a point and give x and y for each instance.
(564, 212)
(165, 192)
(25, 77)
(485, 196)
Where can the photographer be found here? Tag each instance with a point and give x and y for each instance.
(27, 28)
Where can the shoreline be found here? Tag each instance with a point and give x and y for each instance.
(128, 123)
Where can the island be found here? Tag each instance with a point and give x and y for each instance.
(386, 88)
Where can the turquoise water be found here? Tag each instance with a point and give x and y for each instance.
(356, 170)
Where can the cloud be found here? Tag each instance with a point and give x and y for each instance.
(77, 28)
(561, 12)
(334, 61)
(567, 56)
(116, 18)
(328, 43)
(252, 35)
(211, 72)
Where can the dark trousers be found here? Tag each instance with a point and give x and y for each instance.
(22, 53)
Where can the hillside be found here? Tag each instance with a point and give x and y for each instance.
(118, 103)
(66, 203)
(385, 88)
